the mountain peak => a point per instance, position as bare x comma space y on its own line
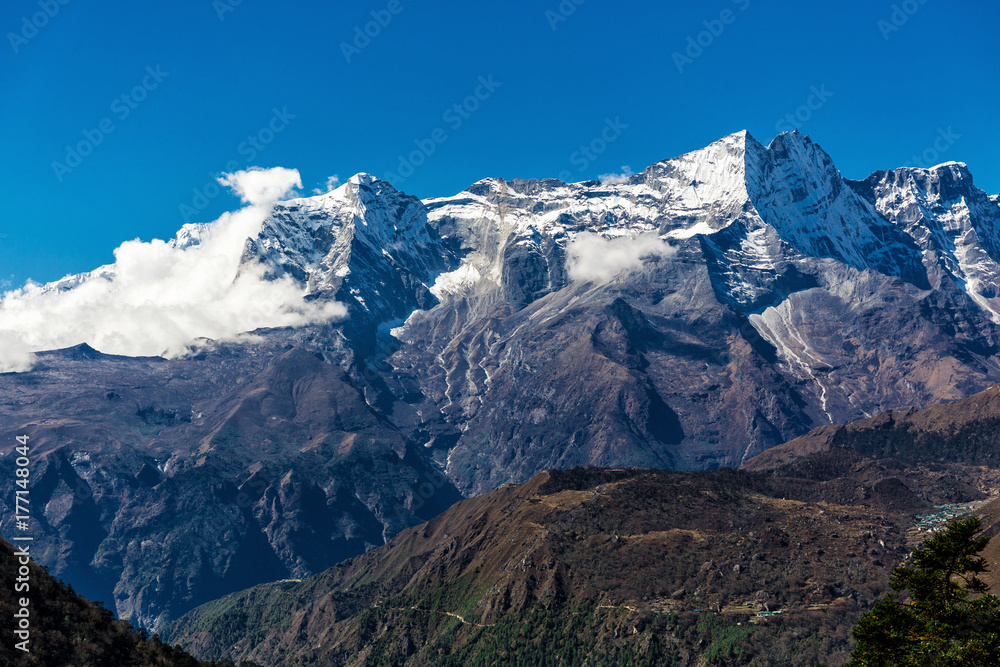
799, 146
80, 352
707, 187
948, 180
951, 163
737, 137
738, 141
362, 178
951, 171
791, 138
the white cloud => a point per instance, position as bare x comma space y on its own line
616, 179
158, 297
593, 258
332, 183
15, 357
259, 187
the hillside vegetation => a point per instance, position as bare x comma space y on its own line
70, 631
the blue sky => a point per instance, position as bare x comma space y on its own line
210, 86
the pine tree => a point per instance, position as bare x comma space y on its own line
947, 618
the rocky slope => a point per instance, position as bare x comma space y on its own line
608, 566
652, 566
963, 432
161, 484
706, 309
633, 554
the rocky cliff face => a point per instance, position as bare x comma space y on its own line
160, 484
690, 316
791, 298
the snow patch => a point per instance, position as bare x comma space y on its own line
459, 281
694, 230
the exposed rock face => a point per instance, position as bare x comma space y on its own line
794, 298
706, 309
174, 482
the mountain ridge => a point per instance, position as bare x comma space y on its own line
692, 316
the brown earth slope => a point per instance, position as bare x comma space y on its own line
634, 565
966, 431
640, 566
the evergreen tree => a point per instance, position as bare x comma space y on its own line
947, 618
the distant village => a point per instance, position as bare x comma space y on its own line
937, 520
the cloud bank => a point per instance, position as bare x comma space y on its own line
593, 258
15, 357
160, 296
260, 187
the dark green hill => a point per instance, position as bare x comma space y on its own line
70, 631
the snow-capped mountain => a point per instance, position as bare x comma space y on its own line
778, 205
789, 300
688, 316
838, 298
357, 227
956, 225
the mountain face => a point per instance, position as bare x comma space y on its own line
791, 299
965, 432
162, 484
956, 227
652, 567
692, 316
